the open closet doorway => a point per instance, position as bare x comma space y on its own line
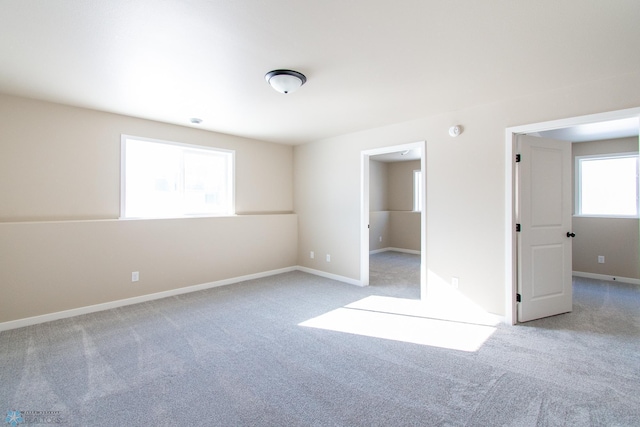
519, 288
393, 196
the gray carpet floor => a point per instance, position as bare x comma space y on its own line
244, 355
397, 272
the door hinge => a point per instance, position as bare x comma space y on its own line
518, 228
518, 298
518, 158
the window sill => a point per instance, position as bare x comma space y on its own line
143, 218
608, 216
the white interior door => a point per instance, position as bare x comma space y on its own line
544, 214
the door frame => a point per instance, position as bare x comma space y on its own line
364, 210
511, 261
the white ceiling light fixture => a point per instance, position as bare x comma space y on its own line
285, 81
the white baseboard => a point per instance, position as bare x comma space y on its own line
377, 251
607, 277
406, 251
330, 276
49, 317
14, 324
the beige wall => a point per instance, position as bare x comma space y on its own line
49, 267
401, 185
405, 230
378, 205
465, 185
61, 244
614, 238
61, 163
617, 239
403, 222
378, 186
379, 222
391, 205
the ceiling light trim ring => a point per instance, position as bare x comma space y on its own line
296, 79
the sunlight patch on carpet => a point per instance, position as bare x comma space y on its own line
403, 320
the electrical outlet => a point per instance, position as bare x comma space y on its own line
600, 259
135, 276
454, 282
328, 258
380, 239
312, 255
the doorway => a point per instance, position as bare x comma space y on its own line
420, 149
511, 261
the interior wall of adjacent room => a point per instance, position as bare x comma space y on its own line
617, 239
378, 205
391, 206
404, 223
401, 185
61, 243
465, 179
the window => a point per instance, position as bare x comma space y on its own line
607, 185
418, 203
165, 180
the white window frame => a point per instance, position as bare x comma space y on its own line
578, 183
418, 182
187, 147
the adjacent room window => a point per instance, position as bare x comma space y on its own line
163, 179
418, 203
607, 185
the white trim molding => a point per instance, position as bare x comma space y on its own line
49, 317
607, 278
406, 251
331, 276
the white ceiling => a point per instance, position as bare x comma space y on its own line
369, 63
400, 156
595, 131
